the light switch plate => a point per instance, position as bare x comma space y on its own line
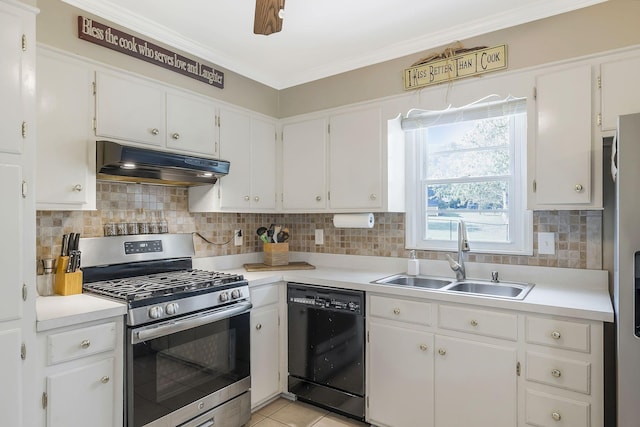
319, 236
546, 243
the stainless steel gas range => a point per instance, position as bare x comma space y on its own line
187, 346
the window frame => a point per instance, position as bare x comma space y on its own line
520, 219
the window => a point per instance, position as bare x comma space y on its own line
468, 164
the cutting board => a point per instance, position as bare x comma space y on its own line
296, 265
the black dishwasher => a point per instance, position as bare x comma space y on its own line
326, 347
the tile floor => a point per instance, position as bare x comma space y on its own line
285, 413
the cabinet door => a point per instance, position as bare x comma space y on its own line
304, 165
82, 396
263, 165
191, 124
11, 374
475, 384
355, 161
130, 109
11, 226
265, 352
563, 145
65, 156
620, 90
235, 147
11, 85
400, 377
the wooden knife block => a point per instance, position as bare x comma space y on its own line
67, 283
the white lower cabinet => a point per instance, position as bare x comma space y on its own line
83, 374
265, 344
449, 365
475, 383
400, 376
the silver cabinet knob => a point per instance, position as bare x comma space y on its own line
104, 379
372, 197
155, 131
556, 335
556, 373
318, 198
259, 326
556, 416
85, 344
396, 311
473, 323
176, 135
77, 187
578, 188
256, 198
247, 198
424, 347
442, 351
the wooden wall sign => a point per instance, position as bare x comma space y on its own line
456, 67
117, 40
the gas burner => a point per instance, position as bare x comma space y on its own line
161, 284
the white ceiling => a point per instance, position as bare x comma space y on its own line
319, 38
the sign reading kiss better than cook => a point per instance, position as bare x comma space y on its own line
117, 40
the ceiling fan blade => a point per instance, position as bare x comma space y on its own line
266, 20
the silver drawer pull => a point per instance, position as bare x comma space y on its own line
77, 187
556, 416
578, 188
474, 323
104, 379
556, 373
442, 351
396, 311
556, 335
424, 347
175, 136
85, 344
259, 326
155, 131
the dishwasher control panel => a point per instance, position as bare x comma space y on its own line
328, 298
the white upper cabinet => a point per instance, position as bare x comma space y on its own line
304, 167
249, 143
130, 109
355, 160
620, 90
11, 84
191, 124
65, 156
563, 154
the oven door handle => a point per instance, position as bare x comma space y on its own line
189, 322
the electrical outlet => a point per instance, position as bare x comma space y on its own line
319, 236
546, 243
237, 237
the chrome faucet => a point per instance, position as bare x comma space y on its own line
463, 248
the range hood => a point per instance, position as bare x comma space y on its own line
134, 164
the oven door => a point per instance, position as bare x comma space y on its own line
181, 368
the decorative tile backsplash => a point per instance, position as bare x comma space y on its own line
578, 233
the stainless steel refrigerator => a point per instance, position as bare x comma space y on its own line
626, 289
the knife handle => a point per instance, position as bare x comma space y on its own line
65, 245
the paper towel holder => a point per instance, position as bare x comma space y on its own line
354, 220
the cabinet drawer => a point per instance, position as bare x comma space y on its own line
565, 373
403, 310
480, 322
558, 333
81, 342
546, 410
265, 295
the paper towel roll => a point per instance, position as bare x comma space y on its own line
364, 220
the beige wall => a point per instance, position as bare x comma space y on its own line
57, 27
606, 26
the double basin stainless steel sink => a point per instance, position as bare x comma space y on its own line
486, 288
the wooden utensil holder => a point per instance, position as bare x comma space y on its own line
276, 253
67, 283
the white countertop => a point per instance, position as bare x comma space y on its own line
581, 294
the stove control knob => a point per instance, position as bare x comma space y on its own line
236, 293
171, 308
224, 297
156, 312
